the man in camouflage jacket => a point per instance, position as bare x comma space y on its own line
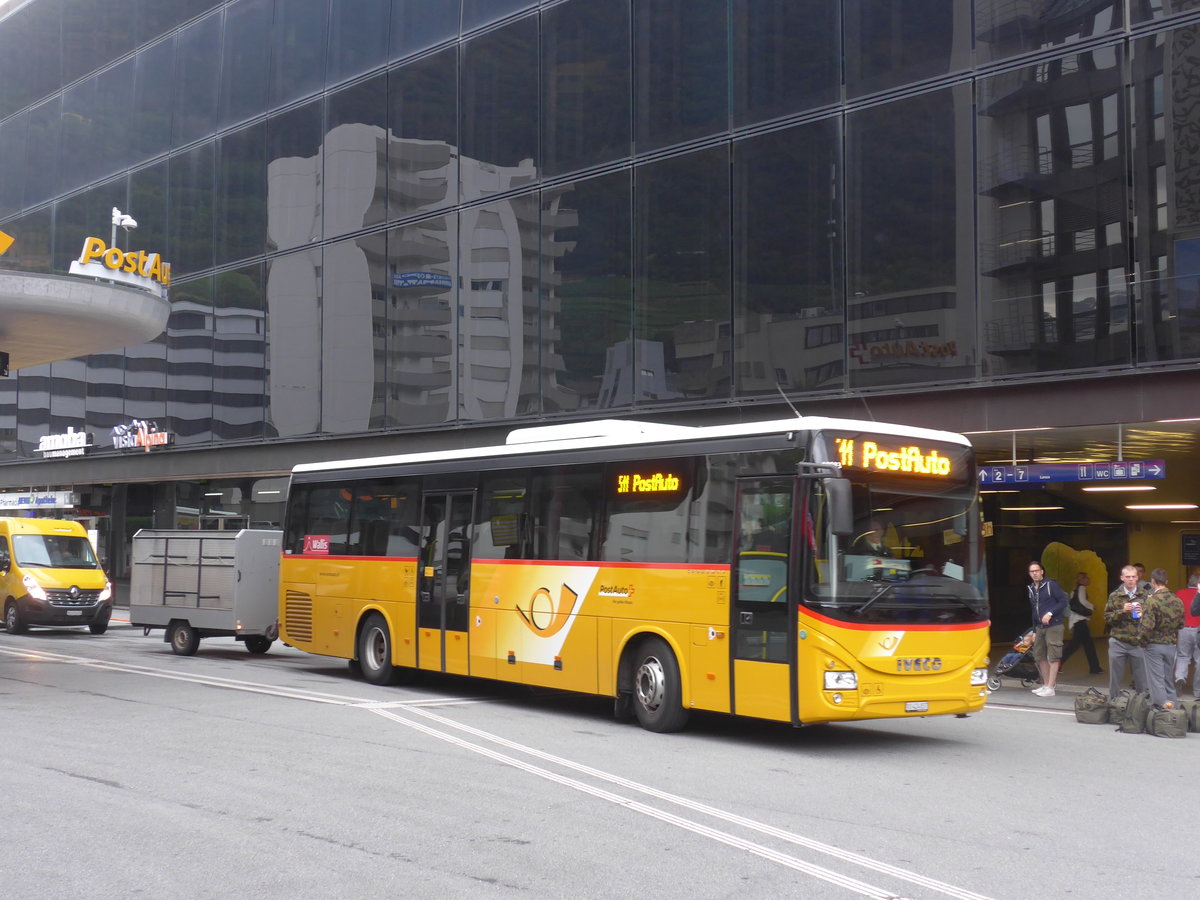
1162, 618
1126, 637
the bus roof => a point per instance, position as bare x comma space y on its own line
602, 433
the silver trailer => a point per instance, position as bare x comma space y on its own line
199, 584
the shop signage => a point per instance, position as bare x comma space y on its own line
133, 267
38, 500
139, 433
1044, 473
71, 443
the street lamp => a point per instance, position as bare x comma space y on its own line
119, 218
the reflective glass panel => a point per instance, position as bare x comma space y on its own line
240, 391
789, 316
417, 24
293, 176
352, 299
154, 17
81, 154
894, 42
356, 157
358, 38
499, 109
197, 84
298, 51
1166, 194
42, 152
30, 55
246, 63
294, 343
585, 84
94, 32
682, 342
190, 240
587, 300
499, 337
12, 147
415, 358
153, 100
423, 134
910, 241
1008, 27
33, 238
241, 201
680, 65
190, 362
786, 58
148, 204
481, 12
89, 213
1052, 216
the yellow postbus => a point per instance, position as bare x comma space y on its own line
802, 570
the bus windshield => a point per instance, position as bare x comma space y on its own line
914, 555
50, 551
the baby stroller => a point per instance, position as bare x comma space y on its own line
1017, 663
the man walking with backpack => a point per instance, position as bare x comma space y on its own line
1047, 602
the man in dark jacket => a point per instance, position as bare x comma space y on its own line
1048, 603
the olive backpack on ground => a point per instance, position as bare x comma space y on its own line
1192, 709
1129, 710
1170, 723
1091, 708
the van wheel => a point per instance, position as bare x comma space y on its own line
656, 688
184, 639
12, 619
98, 627
257, 643
375, 651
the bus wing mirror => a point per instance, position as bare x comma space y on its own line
841, 507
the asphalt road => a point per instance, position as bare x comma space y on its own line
129, 771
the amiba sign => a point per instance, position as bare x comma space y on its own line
133, 267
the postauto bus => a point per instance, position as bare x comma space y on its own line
801, 570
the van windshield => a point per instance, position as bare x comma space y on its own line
52, 551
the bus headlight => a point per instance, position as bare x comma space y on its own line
841, 681
979, 676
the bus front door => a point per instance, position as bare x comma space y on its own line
763, 617
443, 579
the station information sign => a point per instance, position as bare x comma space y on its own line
1096, 473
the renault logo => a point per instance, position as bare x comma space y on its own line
74, 592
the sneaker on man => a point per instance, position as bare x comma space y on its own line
1047, 692
1039, 691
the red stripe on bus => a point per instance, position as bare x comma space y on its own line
895, 626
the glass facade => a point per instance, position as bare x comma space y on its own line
413, 214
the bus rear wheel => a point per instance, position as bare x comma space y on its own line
375, 651
657, 690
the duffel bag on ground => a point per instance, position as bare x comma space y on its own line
1091, 708
1170, 723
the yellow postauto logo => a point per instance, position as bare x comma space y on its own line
135, 262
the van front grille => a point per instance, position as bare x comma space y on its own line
297, 615
64, 598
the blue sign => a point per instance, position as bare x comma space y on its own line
1045, 473
421, 279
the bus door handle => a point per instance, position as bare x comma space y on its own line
746, 618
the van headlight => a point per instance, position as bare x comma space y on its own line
33, 589
979, 676
107, 593
841, 681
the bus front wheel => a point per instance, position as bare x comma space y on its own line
656, 688
375, 651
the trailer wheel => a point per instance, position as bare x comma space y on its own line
375, 651
656, 688
257, 643
184, 639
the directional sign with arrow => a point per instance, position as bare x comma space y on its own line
1045, 473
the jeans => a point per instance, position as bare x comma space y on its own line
1187, 649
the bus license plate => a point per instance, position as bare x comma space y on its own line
74, 612
916, 706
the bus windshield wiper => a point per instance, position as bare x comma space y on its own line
877, 595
